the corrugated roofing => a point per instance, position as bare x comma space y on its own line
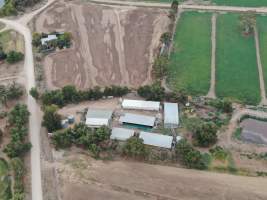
121, 133
99, 113
98, 117
171, 115
137, 119
157, 140
48, 38
140, 105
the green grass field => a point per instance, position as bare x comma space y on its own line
5, 192
262, 29
247, 3
190, 62
236, 65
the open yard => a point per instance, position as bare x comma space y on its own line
236, 66
111, 44
262, 29
5, 191
81, 176
248, 3
190, 61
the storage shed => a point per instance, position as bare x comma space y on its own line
156, 140
121, 134
171, 115
140, 105
98, 117
143, 120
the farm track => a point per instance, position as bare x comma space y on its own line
212, 92
261, 78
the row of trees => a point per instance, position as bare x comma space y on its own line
69, 94
10, 92
95, 140
11, 57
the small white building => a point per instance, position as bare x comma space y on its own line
48, 39
171, 115
140, 105
142, 120
157, 140
98, 117
122, 134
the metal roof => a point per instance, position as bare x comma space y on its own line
155, 139
171, 115
137, 119
140, 105
121, 133
98, 117
48, 38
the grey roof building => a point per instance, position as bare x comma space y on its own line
98, 117
156, 140
121, 134
143, 120
171, 115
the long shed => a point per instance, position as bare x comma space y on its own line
121, 133
98, 117
143, 120
141, 105
171, 115
157, 140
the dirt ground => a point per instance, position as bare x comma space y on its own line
111, 44
81, 177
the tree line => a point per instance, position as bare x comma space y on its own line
12, 7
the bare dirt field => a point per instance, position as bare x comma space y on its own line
111, 44
81, 177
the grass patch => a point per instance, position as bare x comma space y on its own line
11, 40
237, 134
262, 29
5, 190
247, 3
236, 64
190, 61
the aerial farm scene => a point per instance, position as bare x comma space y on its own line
133, 99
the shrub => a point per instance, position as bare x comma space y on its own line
206, 134
34, 93
135, 148
152, 92
13, 57
51, 120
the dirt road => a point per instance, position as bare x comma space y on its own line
212, 93
35, 120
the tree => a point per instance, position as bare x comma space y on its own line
2, 54
247, 23
19, 115
152, 92
175, 4
3, 95
14, 91
206, 134
34, 93
189, 156
135, 148
160, 67
51, 120
70, 94
165, 37
36, 39
13, 57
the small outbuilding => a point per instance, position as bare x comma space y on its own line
135, 119
47, 39
140, 105
122, 134
157, 140
171, 115
98, 117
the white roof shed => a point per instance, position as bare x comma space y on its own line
171, 115
143, 120
140, 105
48, 38
121, 134
155, 139
98, 117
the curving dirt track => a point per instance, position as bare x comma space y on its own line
112, 44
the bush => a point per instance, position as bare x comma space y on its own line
135, 148
13, 57
152, 92
189, 156
222, 105
218, 153
51, 120
34, 93
206, 134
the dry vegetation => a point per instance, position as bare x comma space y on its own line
111, 45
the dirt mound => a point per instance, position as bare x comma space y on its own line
112, 45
